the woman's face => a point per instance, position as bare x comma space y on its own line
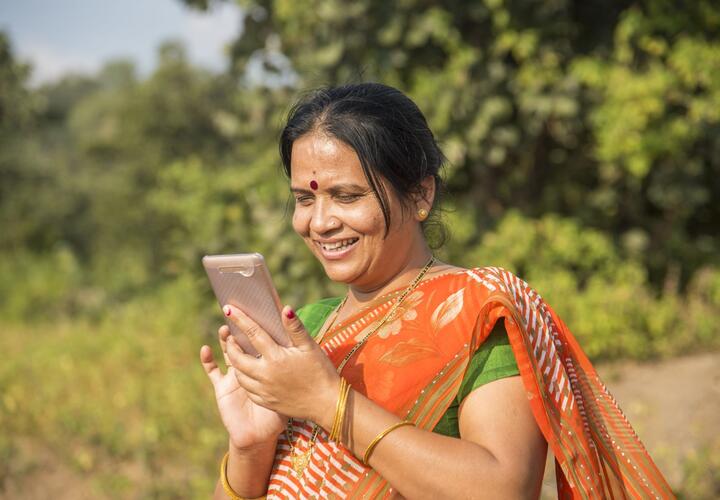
339, 217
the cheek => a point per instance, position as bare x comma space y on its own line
375, 224
366, 219
301, 221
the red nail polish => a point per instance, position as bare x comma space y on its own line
290, 314
228, 312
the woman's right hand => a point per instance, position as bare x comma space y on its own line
248, 424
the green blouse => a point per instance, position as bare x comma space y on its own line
493, 360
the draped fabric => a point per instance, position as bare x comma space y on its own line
414, 364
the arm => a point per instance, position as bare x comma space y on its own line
252, 429
247, 471
501, 450
501, 453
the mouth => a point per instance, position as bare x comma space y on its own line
334, 250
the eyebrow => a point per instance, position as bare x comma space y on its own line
337, 188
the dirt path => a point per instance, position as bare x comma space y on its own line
674, 405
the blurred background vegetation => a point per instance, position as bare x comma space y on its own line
583, 140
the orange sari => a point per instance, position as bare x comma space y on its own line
414, 364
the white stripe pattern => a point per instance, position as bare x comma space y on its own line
544, 340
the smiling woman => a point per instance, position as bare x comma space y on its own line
426, 380
342, 222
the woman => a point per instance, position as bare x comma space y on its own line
389, 391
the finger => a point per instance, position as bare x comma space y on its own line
258, 400
259, 338
223, 334
295, 329
248, 383
241, 361
209, 365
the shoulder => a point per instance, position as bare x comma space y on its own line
313, 315
321, 306
484, 294
487, 275
326, 302
497, 281
480, 282
492, 276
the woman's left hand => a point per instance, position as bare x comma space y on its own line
298, 381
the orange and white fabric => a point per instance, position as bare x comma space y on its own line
413, 367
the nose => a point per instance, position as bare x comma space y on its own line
323, 218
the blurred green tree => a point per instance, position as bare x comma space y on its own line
600, 111
18, 112
593, 115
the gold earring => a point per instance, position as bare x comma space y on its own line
422, 214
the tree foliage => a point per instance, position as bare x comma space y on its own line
605, 112
601, 116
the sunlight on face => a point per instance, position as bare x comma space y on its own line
341, 221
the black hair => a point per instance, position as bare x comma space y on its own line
386, 130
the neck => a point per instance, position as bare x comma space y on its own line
406, 273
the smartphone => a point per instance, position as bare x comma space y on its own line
244, 281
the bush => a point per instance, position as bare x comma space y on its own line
702, 474
128, 389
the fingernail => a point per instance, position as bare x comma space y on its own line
227, 310
290, 314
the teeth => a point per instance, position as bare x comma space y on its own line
338, 245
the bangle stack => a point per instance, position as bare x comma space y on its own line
337, 427
226, 484
378, 438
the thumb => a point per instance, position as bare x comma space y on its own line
298, 334
209, 365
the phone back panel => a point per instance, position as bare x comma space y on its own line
243, 281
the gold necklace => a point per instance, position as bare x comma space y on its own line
300, 461
389, 314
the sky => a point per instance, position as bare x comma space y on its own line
60, 36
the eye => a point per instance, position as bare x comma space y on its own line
347, 197
303, 200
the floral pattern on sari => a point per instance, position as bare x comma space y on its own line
405, 312
447, 311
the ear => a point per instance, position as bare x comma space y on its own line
426, 196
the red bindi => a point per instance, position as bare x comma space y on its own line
313, 185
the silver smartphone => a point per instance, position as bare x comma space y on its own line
244, 281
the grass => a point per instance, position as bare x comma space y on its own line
123, 400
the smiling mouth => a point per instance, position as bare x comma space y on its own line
338, 246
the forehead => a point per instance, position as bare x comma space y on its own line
319, 156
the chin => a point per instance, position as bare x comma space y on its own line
339, 276
340, 273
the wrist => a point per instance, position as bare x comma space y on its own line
227, 479
245, 471
252, 451
327, 405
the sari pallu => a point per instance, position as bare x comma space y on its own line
414, 364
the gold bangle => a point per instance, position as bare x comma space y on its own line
379, 437
338, 405
337, 408
226, 484
336, 431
